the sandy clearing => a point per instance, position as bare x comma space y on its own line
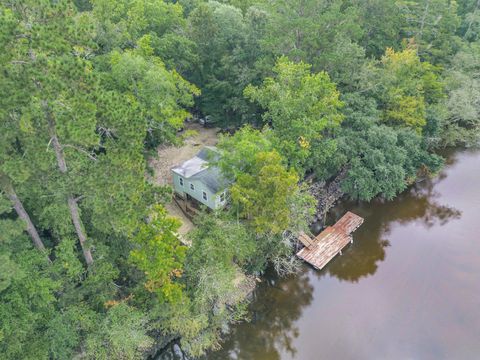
168, 156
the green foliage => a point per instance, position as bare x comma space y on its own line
27, 293
228, 51
215, 280
262, 195
265, 191
158, 253
98, 83
121, 334
161, 94
433, 25
405, 87
381, 161
301, 107
239, 151
470, 17
322, 33
382, 24
53, 89
462, 125
121, 23
218, 243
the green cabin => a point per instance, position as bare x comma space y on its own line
197, 182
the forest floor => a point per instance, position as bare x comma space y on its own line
168, 156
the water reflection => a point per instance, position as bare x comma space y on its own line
276, 307
319, 305
419, 204
279, 303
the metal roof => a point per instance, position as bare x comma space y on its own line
198, 168
191, 167
212, 179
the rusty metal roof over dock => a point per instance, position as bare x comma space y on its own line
330, 242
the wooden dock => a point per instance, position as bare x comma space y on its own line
319, 251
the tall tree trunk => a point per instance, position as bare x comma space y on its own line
7, 187
73, 206
72, 202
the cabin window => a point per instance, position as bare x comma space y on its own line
222, 197
192, 187
181, 181
204, 195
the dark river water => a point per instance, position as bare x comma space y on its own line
408, 287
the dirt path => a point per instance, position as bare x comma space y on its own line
169, 156
175, 211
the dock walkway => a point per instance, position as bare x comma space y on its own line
319, 251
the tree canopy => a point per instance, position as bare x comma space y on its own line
91, 262
301, 108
